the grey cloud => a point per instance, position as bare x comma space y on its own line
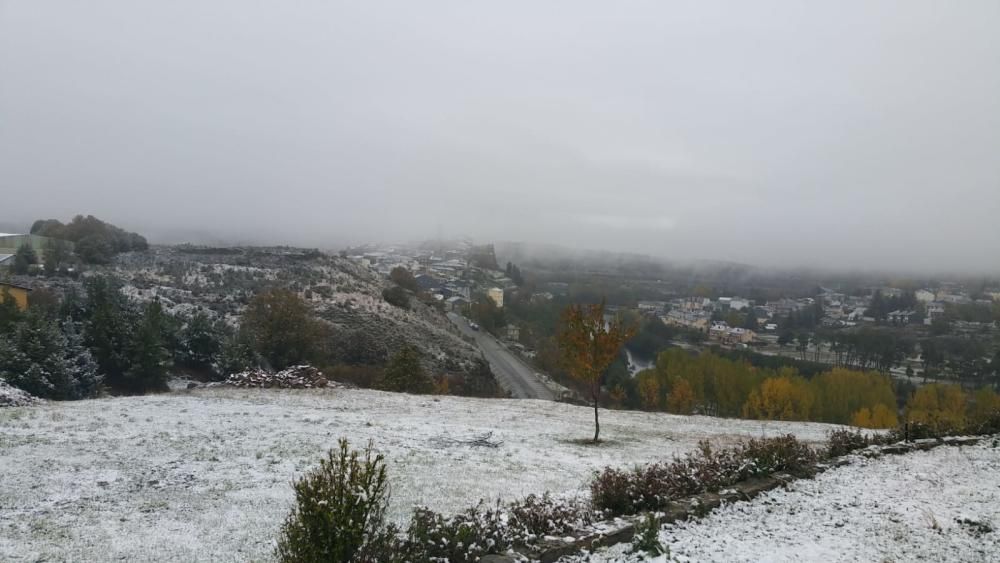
861, 134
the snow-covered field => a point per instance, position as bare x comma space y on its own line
205, 475
896, 508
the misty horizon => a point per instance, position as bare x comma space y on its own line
854, 136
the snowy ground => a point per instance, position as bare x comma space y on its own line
896, 508
204, 476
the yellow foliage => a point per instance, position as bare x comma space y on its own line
720, 385
441, 386
985, 403
937, 404
862, 418
649, 391
841, 393
780, 398
880, 416
681, 398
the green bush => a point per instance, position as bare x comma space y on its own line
647, 537
339, 512
405, 374
397, 296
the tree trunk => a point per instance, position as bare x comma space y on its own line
597, 423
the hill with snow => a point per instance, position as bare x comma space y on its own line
205, 475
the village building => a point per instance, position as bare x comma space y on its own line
496, 295
18, 293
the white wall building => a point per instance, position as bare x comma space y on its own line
496, 295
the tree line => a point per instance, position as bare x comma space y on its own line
99, 339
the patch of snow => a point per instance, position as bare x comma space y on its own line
925, 506
206, 475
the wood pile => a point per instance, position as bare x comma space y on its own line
295, 377
11, 396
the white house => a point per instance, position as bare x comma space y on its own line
496, 295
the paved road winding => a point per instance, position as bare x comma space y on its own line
513, 374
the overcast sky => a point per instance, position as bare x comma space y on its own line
862, 134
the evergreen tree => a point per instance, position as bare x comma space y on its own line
148, 358
200, 343
403, 278
236, 355
24, 258
80, 363
39, 358
57, 253
405, 374
109, 325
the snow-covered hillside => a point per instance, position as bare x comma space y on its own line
923, 506
206, 475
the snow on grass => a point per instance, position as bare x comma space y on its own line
923, 506
206, 475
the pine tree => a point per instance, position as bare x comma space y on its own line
80, 363
148, 358
24, 258
236, 355
200, 343
405, 374
109, 326
39, 358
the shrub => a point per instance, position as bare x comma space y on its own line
403, 278
615, 491
782, 453
985, 424
647, 537
405, 374
397, 296
542, 515
843, 442
650, 487
339, 512
463, 538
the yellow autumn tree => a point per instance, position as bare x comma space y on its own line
879, 416
681, 397
780, 398
841, 393
649, 391
985, 403
589, 343
938, 404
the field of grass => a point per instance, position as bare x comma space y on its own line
205, 475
